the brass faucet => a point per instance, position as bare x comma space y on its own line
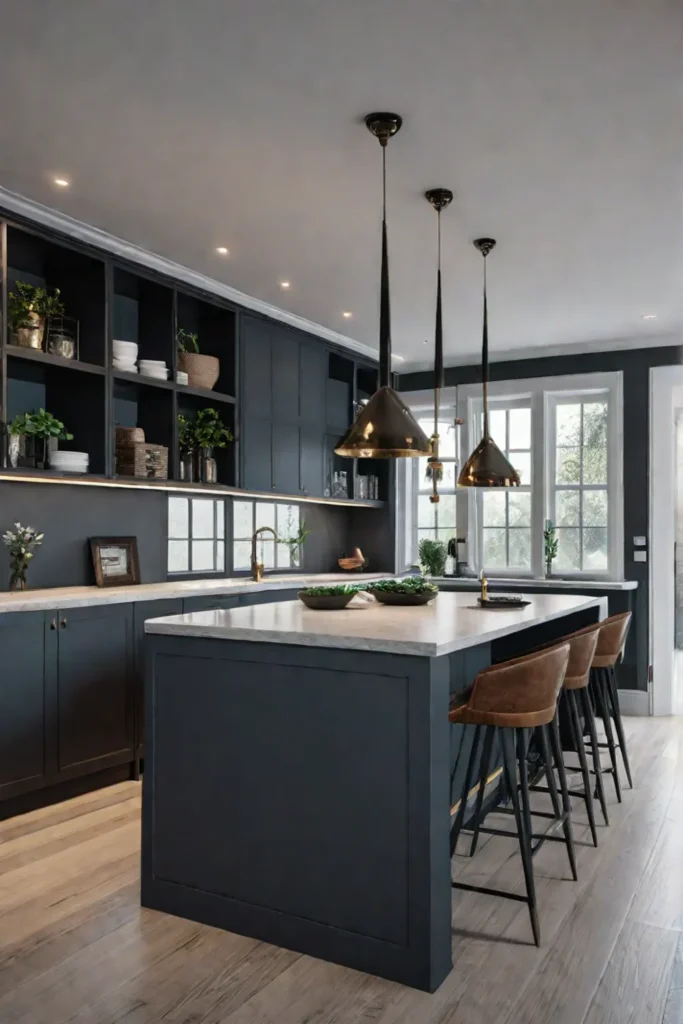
256, 566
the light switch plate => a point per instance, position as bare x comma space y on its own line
640, 542
640, 556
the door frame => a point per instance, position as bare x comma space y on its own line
666, 395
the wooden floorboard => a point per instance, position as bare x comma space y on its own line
76, 947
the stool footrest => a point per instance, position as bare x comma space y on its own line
489, 892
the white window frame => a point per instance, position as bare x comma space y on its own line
294, 558
217, 538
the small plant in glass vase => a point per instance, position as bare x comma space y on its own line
27, 309
21, 543
294, 540
550, 546
186, 446
208, 432
32, 435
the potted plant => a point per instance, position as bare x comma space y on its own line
550, 545
202, 371
432, 557
20, 542
35, 432
27, 308
409, 590
186, 445
208, 432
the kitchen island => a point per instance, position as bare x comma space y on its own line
299, 769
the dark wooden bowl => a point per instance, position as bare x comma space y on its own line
325, 602
387, 597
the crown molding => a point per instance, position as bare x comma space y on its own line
14, 203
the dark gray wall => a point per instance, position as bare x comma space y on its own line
69, 515
635, 365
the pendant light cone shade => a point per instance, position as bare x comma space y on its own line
439, 198
384, 428
487, 466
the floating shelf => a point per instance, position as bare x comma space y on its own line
140, 378
216, 396
34, 355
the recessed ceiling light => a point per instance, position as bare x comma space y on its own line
284, 285
649, 316
347, 314
425, 342
61, 182
222, 251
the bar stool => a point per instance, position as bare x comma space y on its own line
576, 701
603, 688
506, 701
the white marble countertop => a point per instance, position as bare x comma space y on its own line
82, 597
523, 583
452, 622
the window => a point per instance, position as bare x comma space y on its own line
248, 516
505, 515
436, 521
196, 535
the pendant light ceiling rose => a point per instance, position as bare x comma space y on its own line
439, 198
484, 245
383, 125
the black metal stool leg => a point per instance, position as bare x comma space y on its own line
604, 712
522, 744
510, 768
460, 815
485, 764
589, 716
613, 696
581, 750
561, 812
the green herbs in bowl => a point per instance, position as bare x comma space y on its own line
410, 590
327, 598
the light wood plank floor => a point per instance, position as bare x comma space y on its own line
75, 946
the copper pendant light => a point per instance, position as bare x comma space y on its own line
439, 198
385, 427
487, 466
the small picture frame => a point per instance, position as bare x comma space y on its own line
115, 560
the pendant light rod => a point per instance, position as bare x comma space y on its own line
439, 199
485, 245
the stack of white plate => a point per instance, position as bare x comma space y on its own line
69, 462
154, 368
125, 354
181, 377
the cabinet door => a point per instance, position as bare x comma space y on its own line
313, 362
143, 610
285, 382
286, 458
256, 368
24, 704
312, 461
257, 457
94, 688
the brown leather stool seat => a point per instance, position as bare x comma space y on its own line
506, 701
605, 693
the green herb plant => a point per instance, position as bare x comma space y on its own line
186, 441
407, 585
432, 557
209, 431
550, 542
339, 588
25, 303
187, 342
21, 543
39, 424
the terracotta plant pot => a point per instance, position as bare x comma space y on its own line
202, 371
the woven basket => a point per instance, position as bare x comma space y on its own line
127, 436
202, 371
146, 461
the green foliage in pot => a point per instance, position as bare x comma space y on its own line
187, 342
26, 302
186, 440
340, 588
550, 542
39, 424
407, 585
432, 557
209, 431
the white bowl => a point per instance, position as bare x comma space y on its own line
125, 348
154, 373
125, 367
153, 362
181, 378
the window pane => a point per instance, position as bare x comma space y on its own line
202, 555
426, 516
497, 427
241, 554
595, 508
283, 556
520, 549
519, 508
445, 511
568, 466
595, 425
595, 549
243, 519
178, 556
220, 519
494, 508
287, 520
568, 550
595, 465
178, 518
494, 548
265, 552
265, 514
429, 534
202, 519
568, 425
446, 440
220, 556
520, 428
567, 508
521, 461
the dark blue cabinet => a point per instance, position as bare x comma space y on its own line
143, 610
257, 454
312, 460
286, 447
286, 379
313, 372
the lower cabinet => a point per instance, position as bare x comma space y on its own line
143, 610
27, 734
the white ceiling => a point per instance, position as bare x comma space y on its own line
184, 126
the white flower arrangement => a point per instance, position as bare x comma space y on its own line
21, 542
